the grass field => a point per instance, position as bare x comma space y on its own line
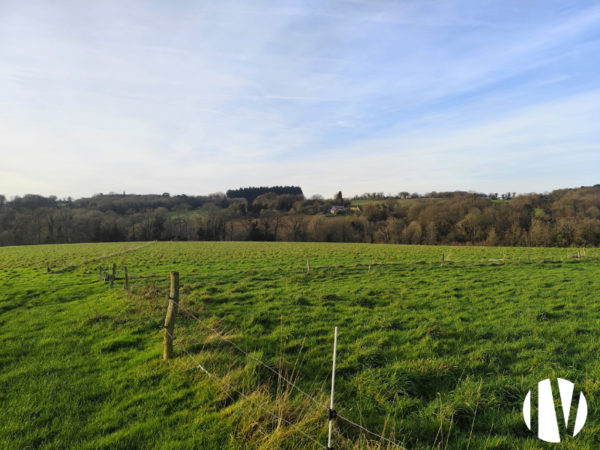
429, 355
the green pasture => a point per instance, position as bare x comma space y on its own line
430, 355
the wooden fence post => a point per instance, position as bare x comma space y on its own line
307, 267
100, 270
126, 279
170, 318
113, 276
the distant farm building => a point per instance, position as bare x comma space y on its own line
335, 210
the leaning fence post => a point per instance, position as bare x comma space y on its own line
332, 413
170, 318
126, 279
307, 267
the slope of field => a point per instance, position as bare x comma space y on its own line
430, 355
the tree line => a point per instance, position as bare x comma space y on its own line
251, 193
563, 218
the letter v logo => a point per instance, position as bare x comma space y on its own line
548, 429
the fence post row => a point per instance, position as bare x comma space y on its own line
169, 326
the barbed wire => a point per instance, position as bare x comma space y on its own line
289, 382
232, 399
246, 397
266, 366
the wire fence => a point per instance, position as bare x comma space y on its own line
100, 258
241, 394
341, 416
219, 381
288, 382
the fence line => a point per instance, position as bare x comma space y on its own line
266, 366
246, 397
451, 263
291, 383
278, 373
99, 258
488, 262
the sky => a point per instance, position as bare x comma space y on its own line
198, 97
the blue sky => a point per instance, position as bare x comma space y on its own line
198, 97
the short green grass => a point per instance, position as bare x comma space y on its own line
430, 355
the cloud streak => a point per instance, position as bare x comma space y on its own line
358, 96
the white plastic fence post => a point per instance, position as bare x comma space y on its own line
332, 412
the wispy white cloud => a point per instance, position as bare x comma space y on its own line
357, 96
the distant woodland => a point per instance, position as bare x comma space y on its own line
563, 218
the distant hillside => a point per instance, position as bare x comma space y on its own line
562, 218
